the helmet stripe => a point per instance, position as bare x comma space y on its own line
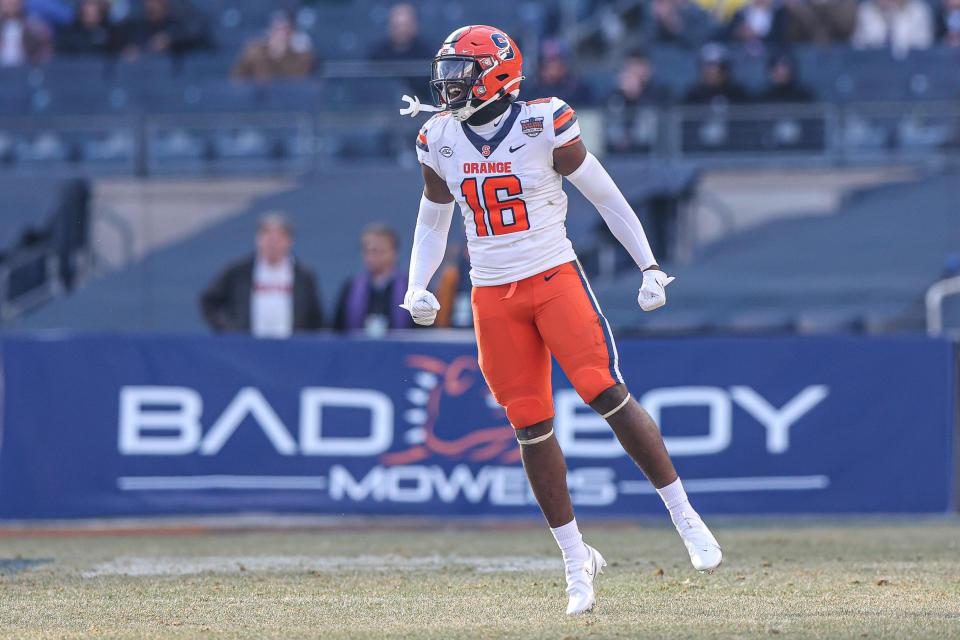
456, 35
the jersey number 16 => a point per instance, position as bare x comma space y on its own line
499, 213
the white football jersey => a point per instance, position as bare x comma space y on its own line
512, 200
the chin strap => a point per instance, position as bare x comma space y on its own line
464, 114
414, 106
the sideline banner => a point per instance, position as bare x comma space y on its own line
120, 425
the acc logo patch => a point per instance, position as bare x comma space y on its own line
446, 152
532, 126
485, 150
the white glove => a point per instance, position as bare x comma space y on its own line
652, 294
422, 305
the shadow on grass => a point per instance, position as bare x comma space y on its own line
10, 566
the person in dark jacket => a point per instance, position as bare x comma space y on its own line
269, 294
784, 86
555, 76
715, 86
403, 42
822, 22
370, 301
164, 28
631, 109
681, 23
90, 32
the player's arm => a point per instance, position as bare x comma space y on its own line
429, 246
586, 173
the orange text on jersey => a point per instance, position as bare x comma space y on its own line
487, 167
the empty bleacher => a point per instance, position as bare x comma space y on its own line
864, 268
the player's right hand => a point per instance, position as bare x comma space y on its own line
422, 305
652, 293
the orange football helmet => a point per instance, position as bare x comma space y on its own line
475, 66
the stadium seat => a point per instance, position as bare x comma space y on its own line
362, 93
294, 95
14, 99
210, 96
142, 72
214, 66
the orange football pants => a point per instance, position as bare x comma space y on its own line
519, 325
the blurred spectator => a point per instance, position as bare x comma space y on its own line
164, 28
900, 25
269, 294
453, 291
948, 23
679, 22
631, 119
758, 22
403, 40
53, 12
24, 39
282, 52
554, 77
90, 32
823, 22
722, 9
371, 300
784, 86
715, 87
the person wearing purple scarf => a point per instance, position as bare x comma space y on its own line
370, 301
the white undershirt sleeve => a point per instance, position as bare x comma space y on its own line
429, 241
598, 187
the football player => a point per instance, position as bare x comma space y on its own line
503, 161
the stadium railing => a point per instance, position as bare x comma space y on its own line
28, 278
934, 301
284, 140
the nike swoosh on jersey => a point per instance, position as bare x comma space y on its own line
512, 149
551, 275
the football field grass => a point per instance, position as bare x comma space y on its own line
792, 579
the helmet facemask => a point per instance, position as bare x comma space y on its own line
454, 80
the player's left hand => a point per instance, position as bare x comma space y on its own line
422, 305
652, 292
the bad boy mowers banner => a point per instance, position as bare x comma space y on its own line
103, 425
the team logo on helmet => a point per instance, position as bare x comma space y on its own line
476, 65
505, 51
532, 126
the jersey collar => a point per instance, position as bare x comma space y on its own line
480, 142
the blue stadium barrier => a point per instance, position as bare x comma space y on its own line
97, 425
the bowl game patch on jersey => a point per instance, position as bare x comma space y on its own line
532, 127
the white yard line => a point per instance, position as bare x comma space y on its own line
175, 566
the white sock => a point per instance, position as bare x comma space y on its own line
675, 499
570, 541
